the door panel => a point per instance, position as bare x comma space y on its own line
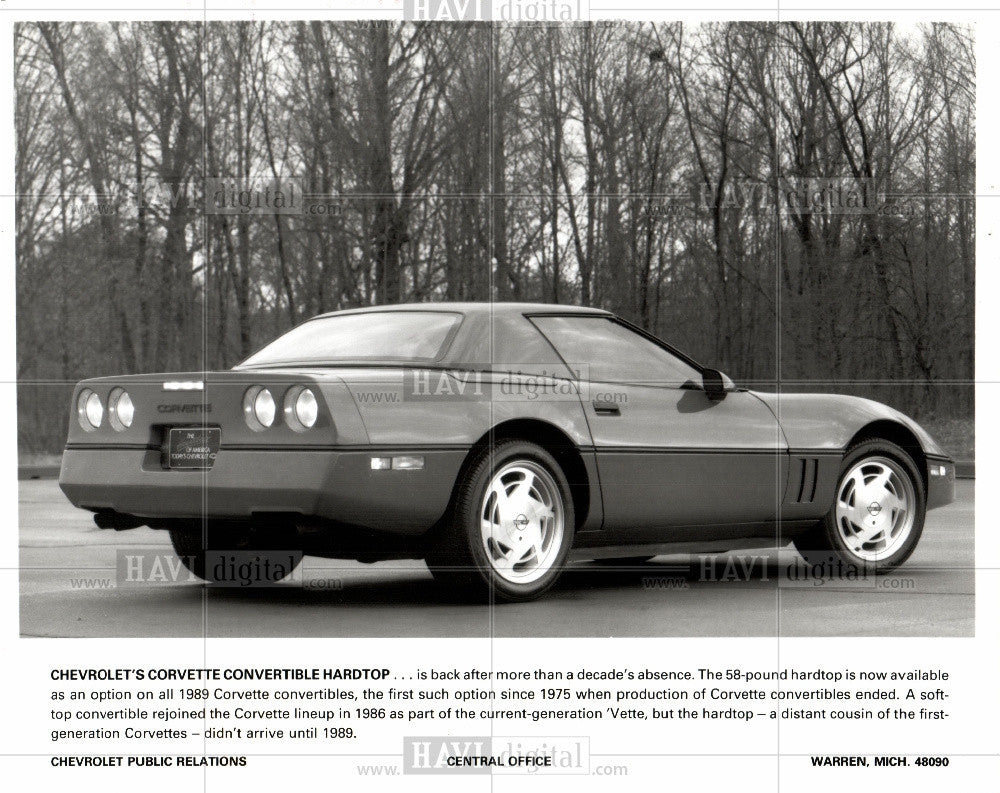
672, 457
671, 461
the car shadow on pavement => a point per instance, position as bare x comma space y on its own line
414, 586
768, 568
419, 590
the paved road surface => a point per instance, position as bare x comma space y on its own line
68, 588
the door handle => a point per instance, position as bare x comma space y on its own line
605, 408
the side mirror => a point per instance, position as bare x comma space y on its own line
716, 384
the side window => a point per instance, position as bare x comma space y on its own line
509, 344
518, 343
614, 353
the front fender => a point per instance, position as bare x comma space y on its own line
828, 422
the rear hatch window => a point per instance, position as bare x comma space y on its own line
389, 336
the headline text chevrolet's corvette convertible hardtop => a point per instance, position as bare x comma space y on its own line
493, 440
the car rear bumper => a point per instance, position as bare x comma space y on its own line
940, 481
331, 485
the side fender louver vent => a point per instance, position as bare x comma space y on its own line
807, 480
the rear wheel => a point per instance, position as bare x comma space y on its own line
511, 524
878, 512
235, 554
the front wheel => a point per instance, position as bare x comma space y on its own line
878, 512
511, 525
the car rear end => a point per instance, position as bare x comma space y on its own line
186, 445
158, 449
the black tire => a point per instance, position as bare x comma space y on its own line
825, 544
201, 551
458, 556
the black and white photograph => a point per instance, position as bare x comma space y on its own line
473, 329
499, 396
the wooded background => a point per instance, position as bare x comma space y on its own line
605, 164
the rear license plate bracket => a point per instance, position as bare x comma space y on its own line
193, 447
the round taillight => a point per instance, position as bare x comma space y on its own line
263, 407
121, 411
259, 409
307, 408
89, 410
301, 408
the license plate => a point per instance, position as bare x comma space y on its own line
194, 447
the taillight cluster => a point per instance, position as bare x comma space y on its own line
90, 409
300, 408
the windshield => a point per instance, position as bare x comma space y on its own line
406, 336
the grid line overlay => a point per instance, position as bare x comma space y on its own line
492, 196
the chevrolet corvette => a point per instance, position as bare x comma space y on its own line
497, 442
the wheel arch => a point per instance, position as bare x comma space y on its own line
555, 442
899, 434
